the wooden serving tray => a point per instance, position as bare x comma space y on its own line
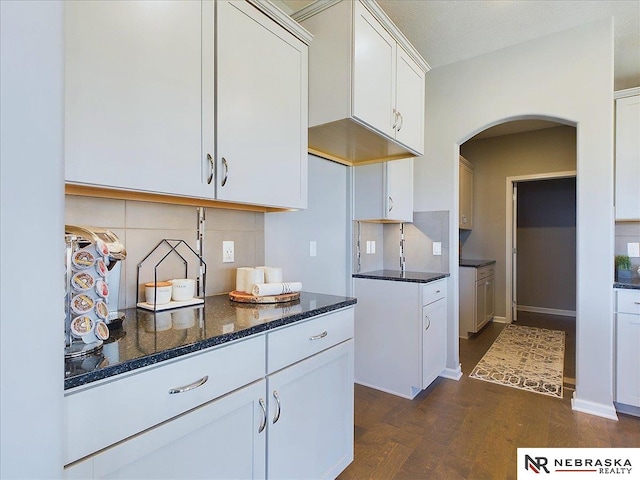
244, 297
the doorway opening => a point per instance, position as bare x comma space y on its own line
517, 152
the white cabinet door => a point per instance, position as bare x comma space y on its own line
134, 109
434, 340
628, 158
410, 92
374, 77
490, 298
219, 440
310, 432
384, 191
628, 359
466, 196
261, 109
400, 190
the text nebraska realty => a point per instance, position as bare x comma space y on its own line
619, 466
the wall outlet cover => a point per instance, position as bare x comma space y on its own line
228, 251
633, 249
437, 248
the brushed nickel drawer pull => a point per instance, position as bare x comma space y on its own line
319, 336
426, 317
263, 424
226, 172
276, 417
212, 169
191, 386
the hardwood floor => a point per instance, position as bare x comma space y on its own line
470, 429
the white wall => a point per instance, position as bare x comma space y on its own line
567, 77
326, 221
31, 240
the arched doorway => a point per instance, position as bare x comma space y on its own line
516, 149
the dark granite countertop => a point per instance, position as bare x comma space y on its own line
145, 339
633, 284
399, 276
468, 262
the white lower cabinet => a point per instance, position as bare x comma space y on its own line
310, 432
477, 298
219, 440
400, 334
628, 351
271, 406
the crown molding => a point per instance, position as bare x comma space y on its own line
274, 12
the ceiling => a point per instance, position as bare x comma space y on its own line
448, 31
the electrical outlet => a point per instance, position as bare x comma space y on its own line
368, 246
633, 249
228, 253
437, 248
373, 246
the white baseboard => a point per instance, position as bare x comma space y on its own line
500, 319
592, 408
548, 311
452, 373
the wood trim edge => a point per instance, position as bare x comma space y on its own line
115, 194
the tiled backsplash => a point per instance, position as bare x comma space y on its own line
142, 225
628, 232
427, 227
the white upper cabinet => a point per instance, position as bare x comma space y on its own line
135, 73
384, 191
628, 157
366, 84
261, 143
465, 222
195, 99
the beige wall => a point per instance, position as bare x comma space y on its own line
494, 159
140, 226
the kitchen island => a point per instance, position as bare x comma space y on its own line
221, 390
400, 330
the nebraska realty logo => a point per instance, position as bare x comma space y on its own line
581, 463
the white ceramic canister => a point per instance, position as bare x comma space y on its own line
182, 289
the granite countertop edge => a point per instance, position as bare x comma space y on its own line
472, 263
399, 276
633, 284
171, 353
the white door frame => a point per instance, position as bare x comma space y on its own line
509, 270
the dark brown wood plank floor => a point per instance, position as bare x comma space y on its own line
470, 429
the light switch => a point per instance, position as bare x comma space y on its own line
437, 248
373, 246
368, 249
633, 249
313, 250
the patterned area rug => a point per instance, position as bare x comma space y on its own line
528, 358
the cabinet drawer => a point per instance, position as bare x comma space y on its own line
485, 272
628, 301
433, 291
294, 343
142, 400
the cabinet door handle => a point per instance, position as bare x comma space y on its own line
276, 417
191, 386
212, 167
226, 172
401, 122
437, 291
637, 303
263, 424
319, 336
390, 203
426, 317
395, 119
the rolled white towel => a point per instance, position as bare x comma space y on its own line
267, 289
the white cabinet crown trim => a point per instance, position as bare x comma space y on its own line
378, 13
